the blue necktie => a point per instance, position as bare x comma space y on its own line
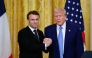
60, 42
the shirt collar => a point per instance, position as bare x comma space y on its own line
63, 26
32, 29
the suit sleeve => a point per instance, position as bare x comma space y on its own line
47, 36
79, 45
24, 43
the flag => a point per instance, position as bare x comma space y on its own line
5, 45
74, 15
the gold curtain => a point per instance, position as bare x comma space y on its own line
18, 9
86, 15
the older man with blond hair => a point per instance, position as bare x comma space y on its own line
66, 37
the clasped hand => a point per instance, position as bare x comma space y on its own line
47, 41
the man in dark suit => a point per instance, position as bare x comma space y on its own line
30, 39
71, 45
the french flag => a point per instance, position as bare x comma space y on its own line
5, 45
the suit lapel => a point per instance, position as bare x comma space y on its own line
68, 30
54, 32
55, 38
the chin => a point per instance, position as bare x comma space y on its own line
35, 26
59, 24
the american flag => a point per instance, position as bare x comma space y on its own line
74, 15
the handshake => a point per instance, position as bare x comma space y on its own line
47, 41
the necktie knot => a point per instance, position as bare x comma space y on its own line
60, 27
35, 31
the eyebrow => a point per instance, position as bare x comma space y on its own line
34, 19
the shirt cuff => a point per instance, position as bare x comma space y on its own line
45, 47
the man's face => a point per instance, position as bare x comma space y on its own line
59, 17
33, 20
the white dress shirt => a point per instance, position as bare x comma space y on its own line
63, 31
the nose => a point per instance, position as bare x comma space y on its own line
35, 21
58, 17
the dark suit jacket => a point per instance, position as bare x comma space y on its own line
30, 46
73, 46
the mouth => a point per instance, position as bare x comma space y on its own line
58, 21
35, 25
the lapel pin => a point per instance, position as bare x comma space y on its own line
69, 30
